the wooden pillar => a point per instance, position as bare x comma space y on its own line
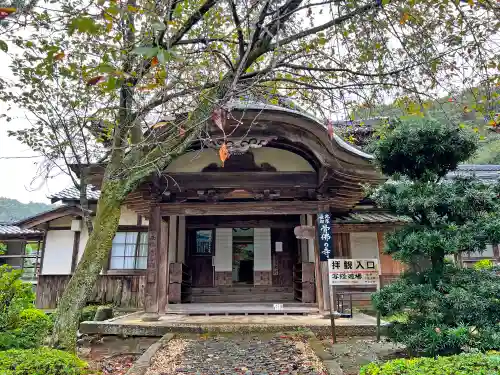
310, 242
163, 268
496, 252
154, 234
181, 240
172, 240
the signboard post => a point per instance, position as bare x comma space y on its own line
323, 250
350, 272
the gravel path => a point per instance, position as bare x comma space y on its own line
236, 355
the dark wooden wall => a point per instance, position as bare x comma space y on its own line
283, 262
121, 291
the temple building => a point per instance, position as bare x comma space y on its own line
206, 233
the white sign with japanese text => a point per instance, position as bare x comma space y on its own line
353, 271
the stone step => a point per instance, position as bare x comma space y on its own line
271, 297
240, 290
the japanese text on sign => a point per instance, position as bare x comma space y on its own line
325, 238
353, 271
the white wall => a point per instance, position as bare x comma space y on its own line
223, 249
128, 217
282, 160
262, 249
58, 252
364, 245
488, 253
84, 237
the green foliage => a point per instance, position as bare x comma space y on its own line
21, 325
88, 313
12, 210
464, 364
463, 311
424, 148
41, 361
449, 309
33, 328
485, 264
15, 296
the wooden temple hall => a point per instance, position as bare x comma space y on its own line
224, 233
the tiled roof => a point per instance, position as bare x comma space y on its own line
485, 172
15, 230
369, 218
72, 193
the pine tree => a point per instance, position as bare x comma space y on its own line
448, 308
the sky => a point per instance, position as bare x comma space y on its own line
18, 164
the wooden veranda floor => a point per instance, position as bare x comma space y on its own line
249, 308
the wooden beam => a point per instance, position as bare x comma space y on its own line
243, 180
372, 227
288, 221
76, 245
240, 208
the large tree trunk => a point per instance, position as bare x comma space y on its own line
113, 193
88, 270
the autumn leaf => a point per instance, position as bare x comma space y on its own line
154, 61
159, 124
95, 80
223, 153
404, 18
217, 118
4, 12
59, 56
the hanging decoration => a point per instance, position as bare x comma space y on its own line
223, 153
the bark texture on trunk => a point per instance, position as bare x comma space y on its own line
86, 274
136, 166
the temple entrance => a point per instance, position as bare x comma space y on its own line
238, 259
243, 256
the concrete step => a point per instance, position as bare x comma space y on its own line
271, 297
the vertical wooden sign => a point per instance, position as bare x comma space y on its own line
325, 236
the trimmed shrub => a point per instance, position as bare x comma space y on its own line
41, 361
32, 328
462, 313
15, 296
463, 364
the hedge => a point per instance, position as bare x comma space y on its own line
41, 361
463, 364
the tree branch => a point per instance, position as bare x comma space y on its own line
237, 23
193, 20
327, 25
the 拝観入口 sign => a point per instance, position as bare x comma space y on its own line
353, 271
